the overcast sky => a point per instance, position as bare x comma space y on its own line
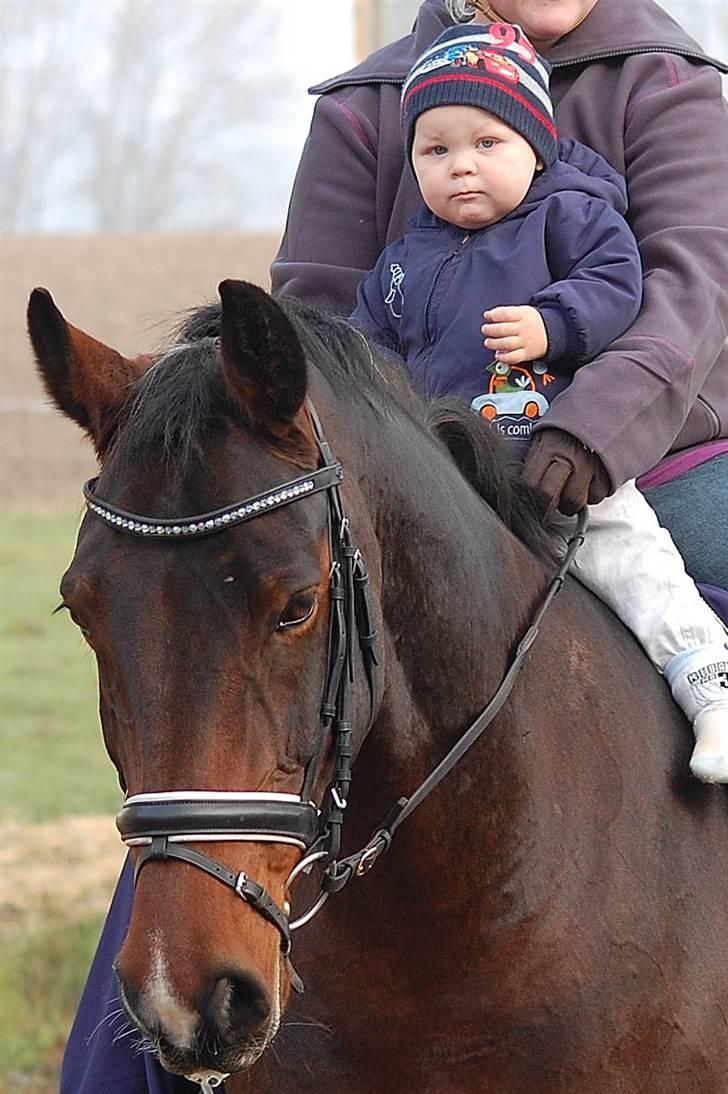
318, 42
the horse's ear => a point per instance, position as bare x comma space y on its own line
87, 380
264, 362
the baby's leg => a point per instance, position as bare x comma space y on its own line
631, 563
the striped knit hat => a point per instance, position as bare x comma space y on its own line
492, 66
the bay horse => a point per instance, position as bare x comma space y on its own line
552, 918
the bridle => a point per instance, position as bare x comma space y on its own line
163, 824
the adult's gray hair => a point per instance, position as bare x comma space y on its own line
460, 10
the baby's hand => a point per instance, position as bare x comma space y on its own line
515, 334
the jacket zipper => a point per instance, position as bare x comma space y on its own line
633, 52
438, 278
637, 50
712, 416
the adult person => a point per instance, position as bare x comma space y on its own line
630, 83
511, 216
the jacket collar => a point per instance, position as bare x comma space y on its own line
642, 27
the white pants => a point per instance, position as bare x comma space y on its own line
632, 564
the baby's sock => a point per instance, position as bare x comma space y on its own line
699, 682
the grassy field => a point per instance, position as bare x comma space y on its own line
53, 757
41, 977
53, 764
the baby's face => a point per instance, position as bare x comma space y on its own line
472, 168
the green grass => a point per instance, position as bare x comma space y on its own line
41, 977
53, 758
53, 763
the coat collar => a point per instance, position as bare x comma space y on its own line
642, 27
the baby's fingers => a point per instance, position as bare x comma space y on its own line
503, 315
500, 330
511, 357
501, 345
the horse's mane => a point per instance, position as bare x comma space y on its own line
181, 401
485, 458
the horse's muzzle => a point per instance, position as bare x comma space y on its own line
232, 1024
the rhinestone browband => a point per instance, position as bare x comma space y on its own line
206, 524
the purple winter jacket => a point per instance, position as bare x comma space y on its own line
631, 84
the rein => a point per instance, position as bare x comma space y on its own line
162, 824
340, 873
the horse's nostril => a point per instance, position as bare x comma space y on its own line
237, 1005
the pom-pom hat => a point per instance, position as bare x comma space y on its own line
492, 66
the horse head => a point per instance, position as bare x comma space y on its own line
214, 653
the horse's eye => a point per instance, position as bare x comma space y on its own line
84, 631
298, 609
74, 619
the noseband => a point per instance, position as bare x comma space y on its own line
163, 824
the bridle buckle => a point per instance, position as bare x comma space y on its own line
368, 859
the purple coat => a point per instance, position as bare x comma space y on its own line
629, 83
566, 250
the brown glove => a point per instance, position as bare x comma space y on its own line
564, 472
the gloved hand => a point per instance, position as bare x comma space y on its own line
564, 472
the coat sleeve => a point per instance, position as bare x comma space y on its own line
330, 239
645, 383
597, 287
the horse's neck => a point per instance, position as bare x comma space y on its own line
457, 889
458, 593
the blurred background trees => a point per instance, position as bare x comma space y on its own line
139, 115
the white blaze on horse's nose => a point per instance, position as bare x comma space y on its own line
176, 1021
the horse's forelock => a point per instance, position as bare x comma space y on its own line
177, 404
182, 400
